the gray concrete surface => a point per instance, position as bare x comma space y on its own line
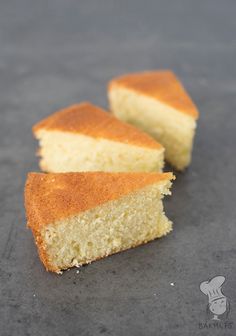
54, 53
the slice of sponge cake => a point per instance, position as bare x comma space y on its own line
157, 103
80, 217
83, 137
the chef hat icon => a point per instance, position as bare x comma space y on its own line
212, 288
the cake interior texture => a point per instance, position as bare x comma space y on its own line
114, 226
172, 128
64, 152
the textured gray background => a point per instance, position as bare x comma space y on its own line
54, 53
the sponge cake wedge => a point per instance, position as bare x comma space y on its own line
80, 217
83, 137
157, 103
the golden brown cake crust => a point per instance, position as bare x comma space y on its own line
87, 119
55, 196
162, 85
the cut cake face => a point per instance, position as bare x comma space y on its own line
83, 137
80, 217
157, 103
